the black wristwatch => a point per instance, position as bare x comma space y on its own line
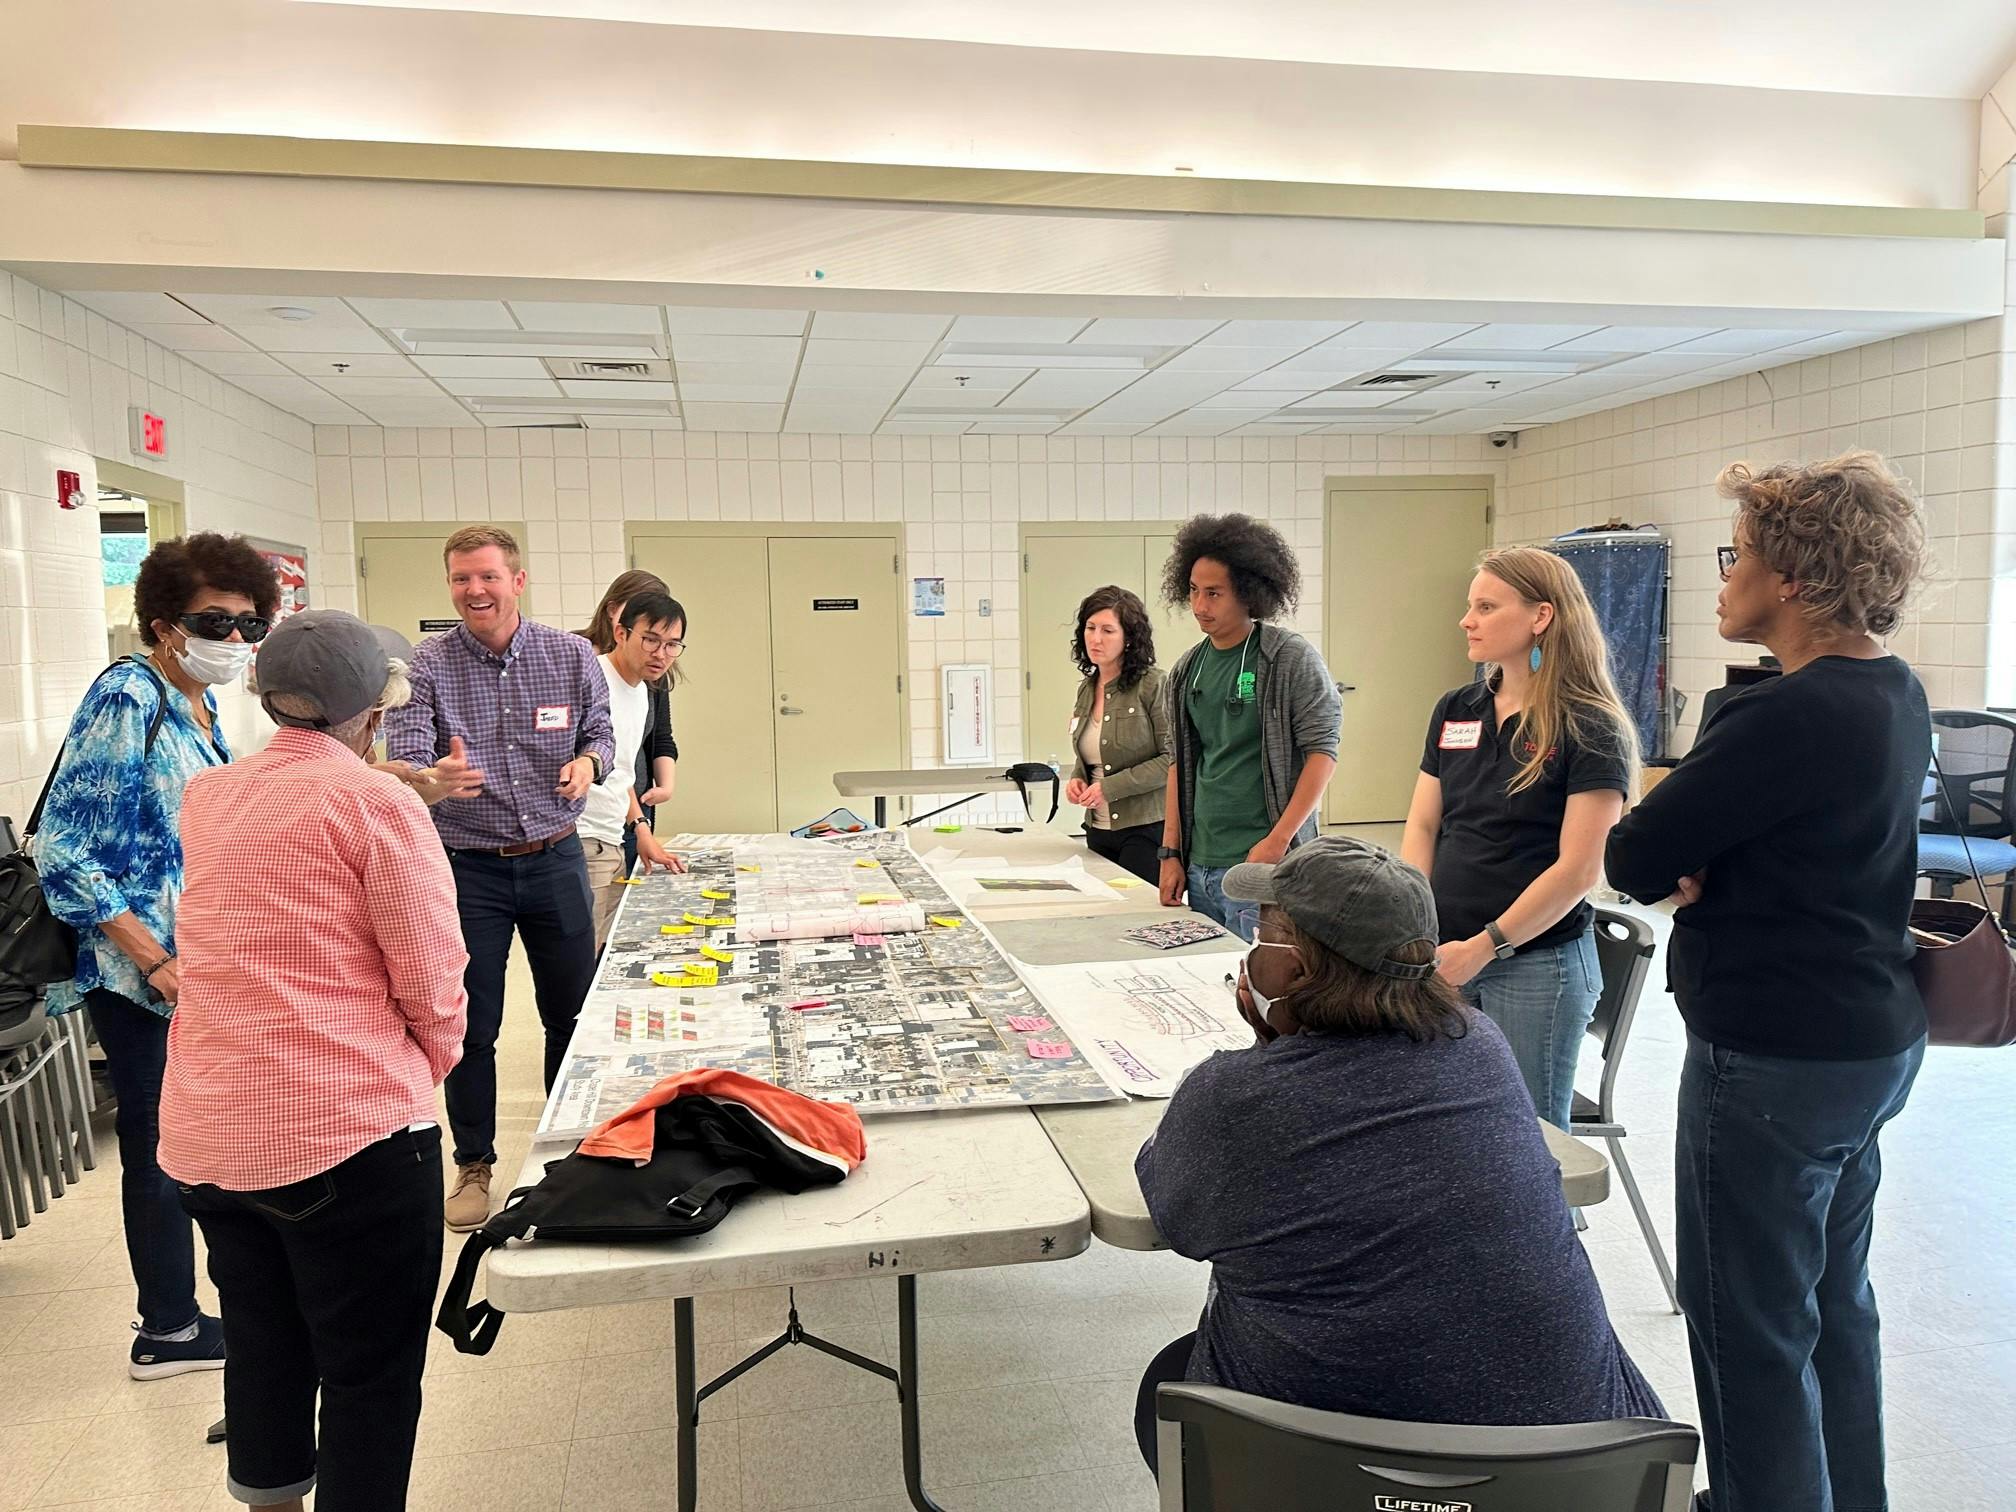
1168, 853
639, 820
1501, 948
595, 765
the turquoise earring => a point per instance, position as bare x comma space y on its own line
1533, 657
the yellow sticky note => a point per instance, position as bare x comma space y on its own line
717, 955
669, 979
719, 897
715, 921
864, 861
749, 868
946, 923
675, 929
879, 898
631, 881
697, 975
1123, 882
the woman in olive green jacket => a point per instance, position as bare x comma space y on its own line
1119, 732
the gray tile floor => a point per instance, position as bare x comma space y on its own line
1029, 1372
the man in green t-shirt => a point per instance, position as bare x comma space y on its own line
1253, 710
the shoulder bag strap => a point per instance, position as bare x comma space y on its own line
1960, 824
153, 729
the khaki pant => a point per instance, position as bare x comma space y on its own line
605, 882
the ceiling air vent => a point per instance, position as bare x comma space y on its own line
1392, 380
611, 369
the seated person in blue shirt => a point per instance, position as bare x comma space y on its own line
1385, 1227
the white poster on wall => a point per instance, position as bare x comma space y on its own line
968, 705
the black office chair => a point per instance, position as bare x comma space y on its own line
1624, 947
1965, 825
1225, 1451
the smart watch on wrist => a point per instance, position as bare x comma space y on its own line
1501, 948
1168, 853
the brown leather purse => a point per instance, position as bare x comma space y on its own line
1965, 966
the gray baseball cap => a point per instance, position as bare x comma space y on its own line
1363, 902
331, 658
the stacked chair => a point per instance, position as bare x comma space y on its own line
46, 1102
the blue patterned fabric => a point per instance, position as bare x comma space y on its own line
1626, 581
111, 836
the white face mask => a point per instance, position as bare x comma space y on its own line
215, 662
1261, 1001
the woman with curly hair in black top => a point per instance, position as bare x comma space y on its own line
1252, 715
1119, 731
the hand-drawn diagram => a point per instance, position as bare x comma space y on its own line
1145, 1023
886, 1017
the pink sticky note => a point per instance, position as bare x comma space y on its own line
863, 938
1049, 1050
1028, 1025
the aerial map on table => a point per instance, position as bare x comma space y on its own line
838, 968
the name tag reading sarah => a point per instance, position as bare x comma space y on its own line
554, 717
1461, 734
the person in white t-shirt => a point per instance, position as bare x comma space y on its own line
646, 634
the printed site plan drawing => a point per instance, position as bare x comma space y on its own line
838, 968
1146, 1022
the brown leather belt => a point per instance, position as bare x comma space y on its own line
529, 848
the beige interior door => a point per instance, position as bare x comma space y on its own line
721, 707
835, 630
1397, 568
1058, 571
402, 584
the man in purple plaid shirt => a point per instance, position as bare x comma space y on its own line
530, 708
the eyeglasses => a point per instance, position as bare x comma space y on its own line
217, 625
657, 643
1725, 561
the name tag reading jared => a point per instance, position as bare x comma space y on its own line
1461, 734
560, 717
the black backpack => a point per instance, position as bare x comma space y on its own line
37, 948
706, 1153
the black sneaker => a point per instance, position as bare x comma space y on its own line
156, 1359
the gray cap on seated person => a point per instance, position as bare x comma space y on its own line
1363, 902
332, 659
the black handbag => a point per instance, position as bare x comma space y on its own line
706, 1154
37, 948
1965, 964
1025, 772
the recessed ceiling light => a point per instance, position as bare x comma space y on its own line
290, 312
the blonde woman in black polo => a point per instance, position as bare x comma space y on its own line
1120, 744
1523, 775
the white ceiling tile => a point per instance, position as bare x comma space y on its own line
732, 417
834, 422
559, 315
320, 365
1407, 335
1184, 387
979, 381
1658, 365
1291, 378
525, 422
1072, 388
308, 337
1016, 328
1519, 338
243, 363
1012, 428
438, 314
617, 388
280, 390
194, 338
482, 367
502, 388
706, 320
738, 372
1110, 428
691, 394
1129, 332
442, 411
353, 387
923, 427
862, 325
634, 422
1350, 399
1225, 359
904, 354
257, 310
713, 348
1494, 383
1737, 342
1294, 334
326, 411
850, 399
1633, 339
877, 380
141, 309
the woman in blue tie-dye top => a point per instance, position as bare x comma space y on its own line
110, 855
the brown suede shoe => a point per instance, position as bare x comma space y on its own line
468, 1204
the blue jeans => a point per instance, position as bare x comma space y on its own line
1778, 1167
160, 1244
1207, 897
1542, 1001
544, 897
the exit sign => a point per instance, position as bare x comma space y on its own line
150, 433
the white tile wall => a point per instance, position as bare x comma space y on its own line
1934, 403
959, 497
67, 376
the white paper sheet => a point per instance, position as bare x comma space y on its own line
1145, 1023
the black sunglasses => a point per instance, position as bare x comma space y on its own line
217, 625
1725, 561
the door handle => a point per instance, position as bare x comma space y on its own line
788, 710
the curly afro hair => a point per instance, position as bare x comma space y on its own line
1138, 654
1264, 571
175, 572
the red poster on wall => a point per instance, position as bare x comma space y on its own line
290, 564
